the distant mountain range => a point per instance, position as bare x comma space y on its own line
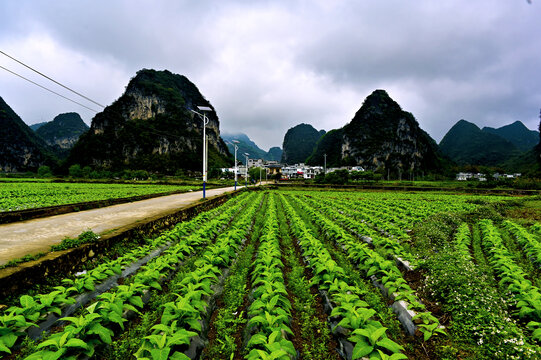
518, 134
466, 144
151, 127
246, 145
37, 125
62, 133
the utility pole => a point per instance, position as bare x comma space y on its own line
325, 164
205, 143
246, 174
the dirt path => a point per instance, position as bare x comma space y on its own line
33, 236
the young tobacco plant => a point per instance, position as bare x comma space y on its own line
429, 325
158, 346
82, 335
371, 342
275, 347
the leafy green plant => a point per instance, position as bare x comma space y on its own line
274, 346
371, 342
87, 327
159, 345
429, 325
12, 326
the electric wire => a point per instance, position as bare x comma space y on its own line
56, 82
43, 87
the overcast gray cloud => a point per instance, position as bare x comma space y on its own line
269, 65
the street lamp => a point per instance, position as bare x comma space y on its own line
205, 122
246, 174
234, 143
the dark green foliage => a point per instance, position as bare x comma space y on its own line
299, 143
163, 138
20, 148
518, 134
338, 177
246, 145
76, 171
465, 144
524, 163
44, 171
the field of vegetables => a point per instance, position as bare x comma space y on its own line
295, 274
28, 195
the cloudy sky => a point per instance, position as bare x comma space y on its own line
269, 65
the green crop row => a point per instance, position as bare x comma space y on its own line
181, 319
463, 240
270, 312
527, 296
16, 319
26, 195
373, 264
342, 215
366, 333
530, 244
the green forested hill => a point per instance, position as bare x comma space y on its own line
299, 143
62, 133
151, 127
518, 134
466, 144
381, 137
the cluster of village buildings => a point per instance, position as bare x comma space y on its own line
464, 176
303, 171
297, 171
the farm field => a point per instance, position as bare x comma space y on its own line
28, 195
301, 274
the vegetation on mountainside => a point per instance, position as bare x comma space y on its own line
382, 137
168, 140
63, 126
299, 142
465, 144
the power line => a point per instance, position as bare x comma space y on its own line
96, 111
56, 82
43, 87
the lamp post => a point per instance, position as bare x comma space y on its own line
235, 142
246, 174
205, 122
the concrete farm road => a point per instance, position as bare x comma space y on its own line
37, 235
